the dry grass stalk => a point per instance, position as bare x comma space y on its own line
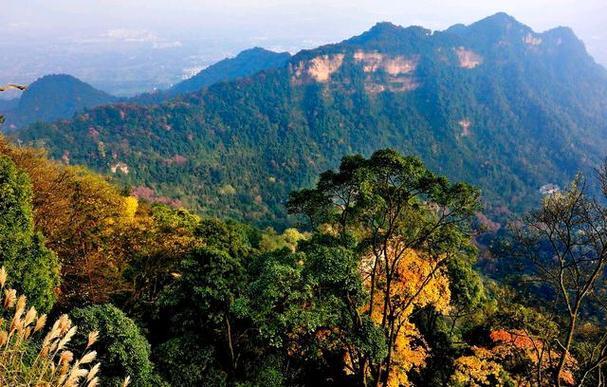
23, 363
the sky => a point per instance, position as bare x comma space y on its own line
221, 28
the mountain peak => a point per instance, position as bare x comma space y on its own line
257, 51
500, 22
387, 35
246, 63
56, 96
57, 78
384, 27
56, 82
499, 18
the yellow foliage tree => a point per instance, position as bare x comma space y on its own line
85, 220
417, 283
479, 369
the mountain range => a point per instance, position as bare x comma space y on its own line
60, 96
493, 103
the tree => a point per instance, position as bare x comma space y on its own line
200, 321
564, 245
394, 207
35, 268
157, 241
305, 305
122, 348
86, 222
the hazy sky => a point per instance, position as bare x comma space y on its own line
227, 26
265, 19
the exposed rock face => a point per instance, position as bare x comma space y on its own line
318, 69
532, 40
468, 59
397, 68
374, 61
465, 124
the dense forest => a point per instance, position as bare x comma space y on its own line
53, 97
494, 104
60, 96
404, 208
378, 285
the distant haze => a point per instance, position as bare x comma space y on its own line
127, 46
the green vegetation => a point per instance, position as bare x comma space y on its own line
378, 283
121, 348
381, 289
524, 116
33, 267
52, 97
29, 358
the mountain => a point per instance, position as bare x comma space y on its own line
246, 63
493, 103
8, 104
55, 97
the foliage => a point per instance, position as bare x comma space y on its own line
84, 220
122, 348
271, 241
200, 322
479, 369
22, 250
28, 359
535, 116
564, 244
381, 288
407, 223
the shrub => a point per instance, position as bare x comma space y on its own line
123, 350
28, 359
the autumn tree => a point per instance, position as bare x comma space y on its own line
86, 221
395, 208
564, 245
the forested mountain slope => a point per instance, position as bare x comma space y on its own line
246, 63
53, 97
494, 103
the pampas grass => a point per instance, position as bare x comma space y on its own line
25, 360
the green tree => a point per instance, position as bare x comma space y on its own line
200, 322
122, 348
391, 205
305, 306
33, 267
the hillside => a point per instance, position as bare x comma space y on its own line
54, 97
493, 103
246, 63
